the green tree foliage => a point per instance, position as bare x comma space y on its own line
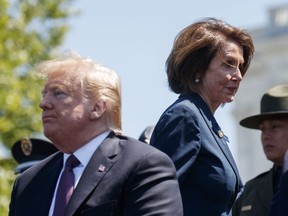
30, 31
7, 177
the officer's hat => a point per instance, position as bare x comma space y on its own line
146, 134
274, 104
29, 151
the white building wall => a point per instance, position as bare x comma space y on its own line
269, 68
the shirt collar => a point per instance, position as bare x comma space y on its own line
85, 153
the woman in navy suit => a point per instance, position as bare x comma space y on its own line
206, 65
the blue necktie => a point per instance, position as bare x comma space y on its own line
66, 186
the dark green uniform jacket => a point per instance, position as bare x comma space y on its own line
257, 195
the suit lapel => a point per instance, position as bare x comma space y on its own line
226, 151
44, 184
100, 163
215, 130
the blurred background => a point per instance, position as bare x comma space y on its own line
134, 38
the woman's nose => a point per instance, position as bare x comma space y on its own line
237, 76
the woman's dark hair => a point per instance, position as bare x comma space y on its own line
194, 48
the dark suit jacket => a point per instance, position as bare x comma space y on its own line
256, 197
279, 206
137, 180
208, 177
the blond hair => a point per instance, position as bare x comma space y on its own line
97, 82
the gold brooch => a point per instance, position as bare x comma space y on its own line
220, 133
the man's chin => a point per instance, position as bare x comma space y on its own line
49, 133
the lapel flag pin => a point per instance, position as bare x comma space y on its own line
101, 168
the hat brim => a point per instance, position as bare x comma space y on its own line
253, 122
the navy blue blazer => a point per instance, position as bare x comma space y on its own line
124, 177
208, 177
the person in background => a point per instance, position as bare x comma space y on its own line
207, 63
146, 134
98, 171
273, 123
29, 151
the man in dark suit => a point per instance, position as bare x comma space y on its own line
273, 123
106, 173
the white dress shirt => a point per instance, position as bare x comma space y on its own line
84, 155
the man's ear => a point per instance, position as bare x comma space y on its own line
98, 109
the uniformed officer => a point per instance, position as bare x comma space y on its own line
273, 123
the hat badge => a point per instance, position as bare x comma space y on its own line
26, 146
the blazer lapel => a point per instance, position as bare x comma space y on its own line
216, 131
222, 143
44, 184
100, 163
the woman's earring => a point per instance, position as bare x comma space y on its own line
197, 80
